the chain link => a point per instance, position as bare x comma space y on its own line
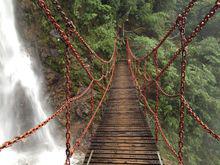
200, 122
181, 21
66, 40
36, 128
68, 107
185, 13
185, 41
189, 39
69, 23
156, 119
166, 94
204, 21
112, 70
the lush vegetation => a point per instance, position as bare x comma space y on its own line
145, 22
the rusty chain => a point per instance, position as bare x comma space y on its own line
68, 22
79, 140
189, 39
36, 128
165, 93
200, 122
204, 21
146, 104
148, 78
184, 13
181, 21
66, 40
184, 42
68, 107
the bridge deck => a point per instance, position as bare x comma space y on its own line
123, 136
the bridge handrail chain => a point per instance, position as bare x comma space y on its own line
185, 41
85, 130
200, 122
68, 107
189, 39
184, 13
37, 127
151, 79
195, 32
181, 22
66, 40
148, 106
134, 64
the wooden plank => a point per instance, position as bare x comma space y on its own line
147, 145
100, 151
124, 116
123, 136
122, 129
130, 141
125, 156
125, 161
131, 148
144, 138
137, 132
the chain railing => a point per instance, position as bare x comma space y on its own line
134, 67
33, 130
78, 141
185, 41
66, 106
67, 41
184, 13
146, 104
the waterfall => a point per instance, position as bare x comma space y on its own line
21, 107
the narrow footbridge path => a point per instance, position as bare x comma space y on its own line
123, 136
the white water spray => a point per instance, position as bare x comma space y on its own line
20, 105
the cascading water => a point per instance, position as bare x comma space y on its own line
20, 105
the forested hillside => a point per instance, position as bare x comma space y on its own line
144, 23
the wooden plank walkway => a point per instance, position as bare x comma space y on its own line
123, 136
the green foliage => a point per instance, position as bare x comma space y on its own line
203, 91
156, 23
203, 74
145, 22
95, 21
164, 5
102, 38
145, 43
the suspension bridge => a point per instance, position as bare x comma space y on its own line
124, 134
